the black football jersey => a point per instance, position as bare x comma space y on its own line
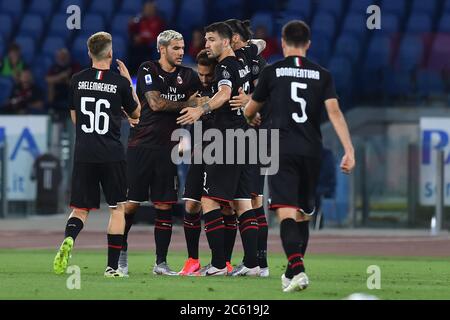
296, 90
155, 127
235, 74
98, 96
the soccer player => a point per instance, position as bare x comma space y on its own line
194, 181
297, 89
249, 52
225, 183
97, 100
164, 87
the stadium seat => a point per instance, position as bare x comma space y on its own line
119, 24
28, 47
44, 8
341, 70
7, 85
80, 51
132, 7
92, 23
223, 10
348, 46
410, 53
51, 45
424, 7
119, 47
167, 9
2, 46
360, 6
397, 83
331, 6
429, 83
324, 23
397, 7
390, 24
263, 5
378, 53
57, 26
419, 23
40, 68
440, 51
32, 25
320, 48
444, 23
193, 15
66, 3
6, 26
262, 19
446, 7
105, 8
13, 8
352, 25
301, 7
285, 18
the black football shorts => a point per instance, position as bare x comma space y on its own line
151, 175
86, 181
294, 186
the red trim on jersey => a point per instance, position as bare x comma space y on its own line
85, 209
278, 206
217, 199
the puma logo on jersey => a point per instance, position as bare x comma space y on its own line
146, 69
206, 190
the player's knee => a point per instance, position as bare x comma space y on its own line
131, 207
257, 202
80, 214
193, 207
162, 206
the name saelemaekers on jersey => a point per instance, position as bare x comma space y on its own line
97, 86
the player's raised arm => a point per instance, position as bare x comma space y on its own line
260, 43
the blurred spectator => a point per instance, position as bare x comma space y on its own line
26, 98
271, 43
58, 81
197, 43
12, 64
144, 30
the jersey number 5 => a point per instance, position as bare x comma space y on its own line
294, 96
94, 118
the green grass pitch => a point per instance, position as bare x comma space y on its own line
27, 274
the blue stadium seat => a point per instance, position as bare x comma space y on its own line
6, 25
57, 26
193, 14
440, 51
348, 46
397, 83
262, 19
188, 60
51, 45
13, 8
262, 5
105, 8
119, 24
397, 7
301, 7
332, 6
40, 68
410, 53
425, 7
352, 25
119, 47
167, 9
320, 50
80, 52
285, 18
419, 23
360, 6
378, 53
342, 71
132, 7
66, 3
7, 85
44, 8
429, 83
390, 23
92, 23
28, 46
446, 6
444, 23
2, 46
223, 10
32, 25
324, 23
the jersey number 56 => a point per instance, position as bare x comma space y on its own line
294, 96
94, 118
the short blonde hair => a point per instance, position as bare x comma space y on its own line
166, 36
99, 45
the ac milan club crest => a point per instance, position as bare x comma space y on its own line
179, 80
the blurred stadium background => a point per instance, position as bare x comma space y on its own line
388, 80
